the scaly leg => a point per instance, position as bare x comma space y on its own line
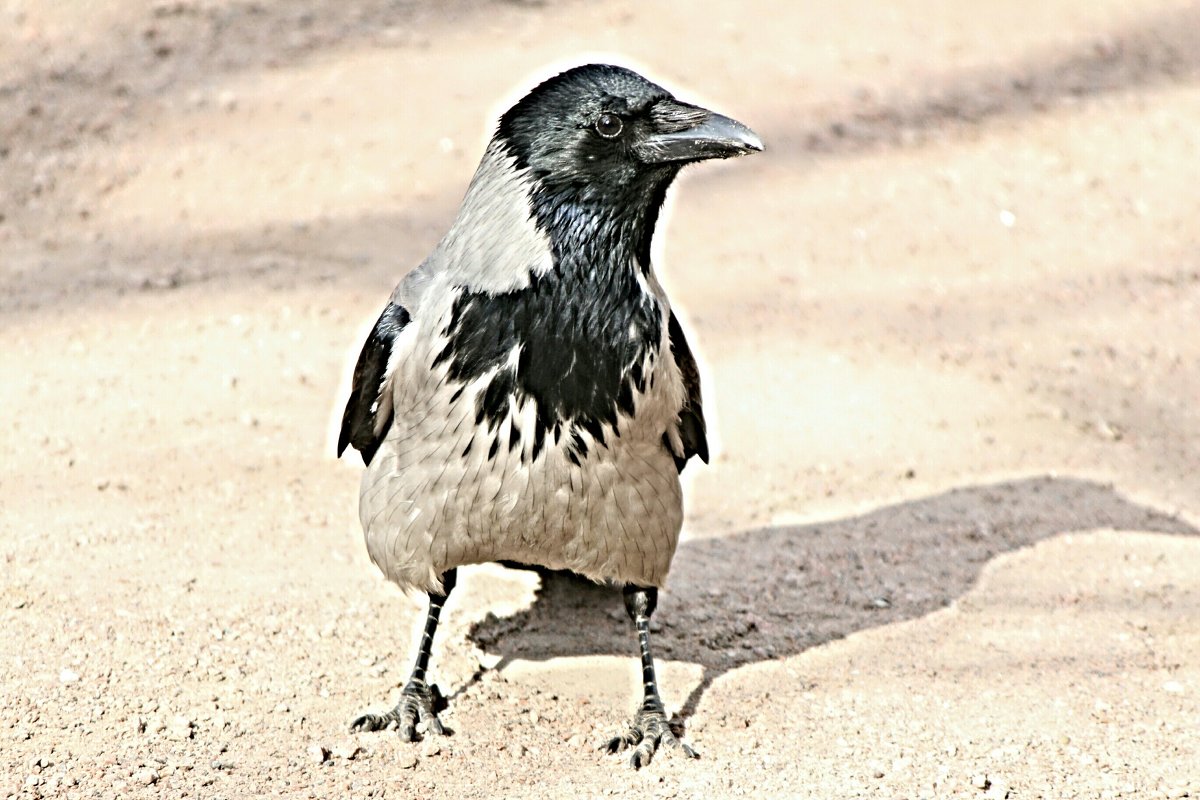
419, 701
650, 727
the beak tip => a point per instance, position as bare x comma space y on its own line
740, 139
717, 136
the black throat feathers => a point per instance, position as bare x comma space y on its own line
585, 332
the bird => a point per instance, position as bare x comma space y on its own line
527, 395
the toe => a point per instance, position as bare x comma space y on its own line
629, 738
408, 730
614, 745
671, 742
642, 755
366, 722
434, 725
425, 711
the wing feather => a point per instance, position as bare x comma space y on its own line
692, 430
368, 415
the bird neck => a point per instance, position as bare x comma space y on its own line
598, 229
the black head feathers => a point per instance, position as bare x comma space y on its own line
609, 128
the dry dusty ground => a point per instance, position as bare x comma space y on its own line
950, 326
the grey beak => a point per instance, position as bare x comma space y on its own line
716, 136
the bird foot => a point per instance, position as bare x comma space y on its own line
648, 731
419, 703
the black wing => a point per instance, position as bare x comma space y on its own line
366, 420
692, 430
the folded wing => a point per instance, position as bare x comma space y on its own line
692, 431
369, 409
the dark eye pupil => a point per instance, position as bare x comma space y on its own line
609, 125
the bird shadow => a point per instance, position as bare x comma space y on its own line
775, 592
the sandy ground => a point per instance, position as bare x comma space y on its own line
949, 326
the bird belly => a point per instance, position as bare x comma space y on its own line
444, 491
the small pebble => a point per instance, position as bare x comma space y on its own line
145, 777
317, 754
347, 750
179, 728
406, 759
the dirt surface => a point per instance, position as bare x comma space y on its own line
949, 328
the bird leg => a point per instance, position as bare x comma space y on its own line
419, 701
650, 727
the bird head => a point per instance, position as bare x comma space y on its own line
603, 140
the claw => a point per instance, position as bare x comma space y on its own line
419, 703
647, 733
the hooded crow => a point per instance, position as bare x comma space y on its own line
527, 395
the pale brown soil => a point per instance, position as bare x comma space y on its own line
950, 328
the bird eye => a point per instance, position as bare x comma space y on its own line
609, 126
